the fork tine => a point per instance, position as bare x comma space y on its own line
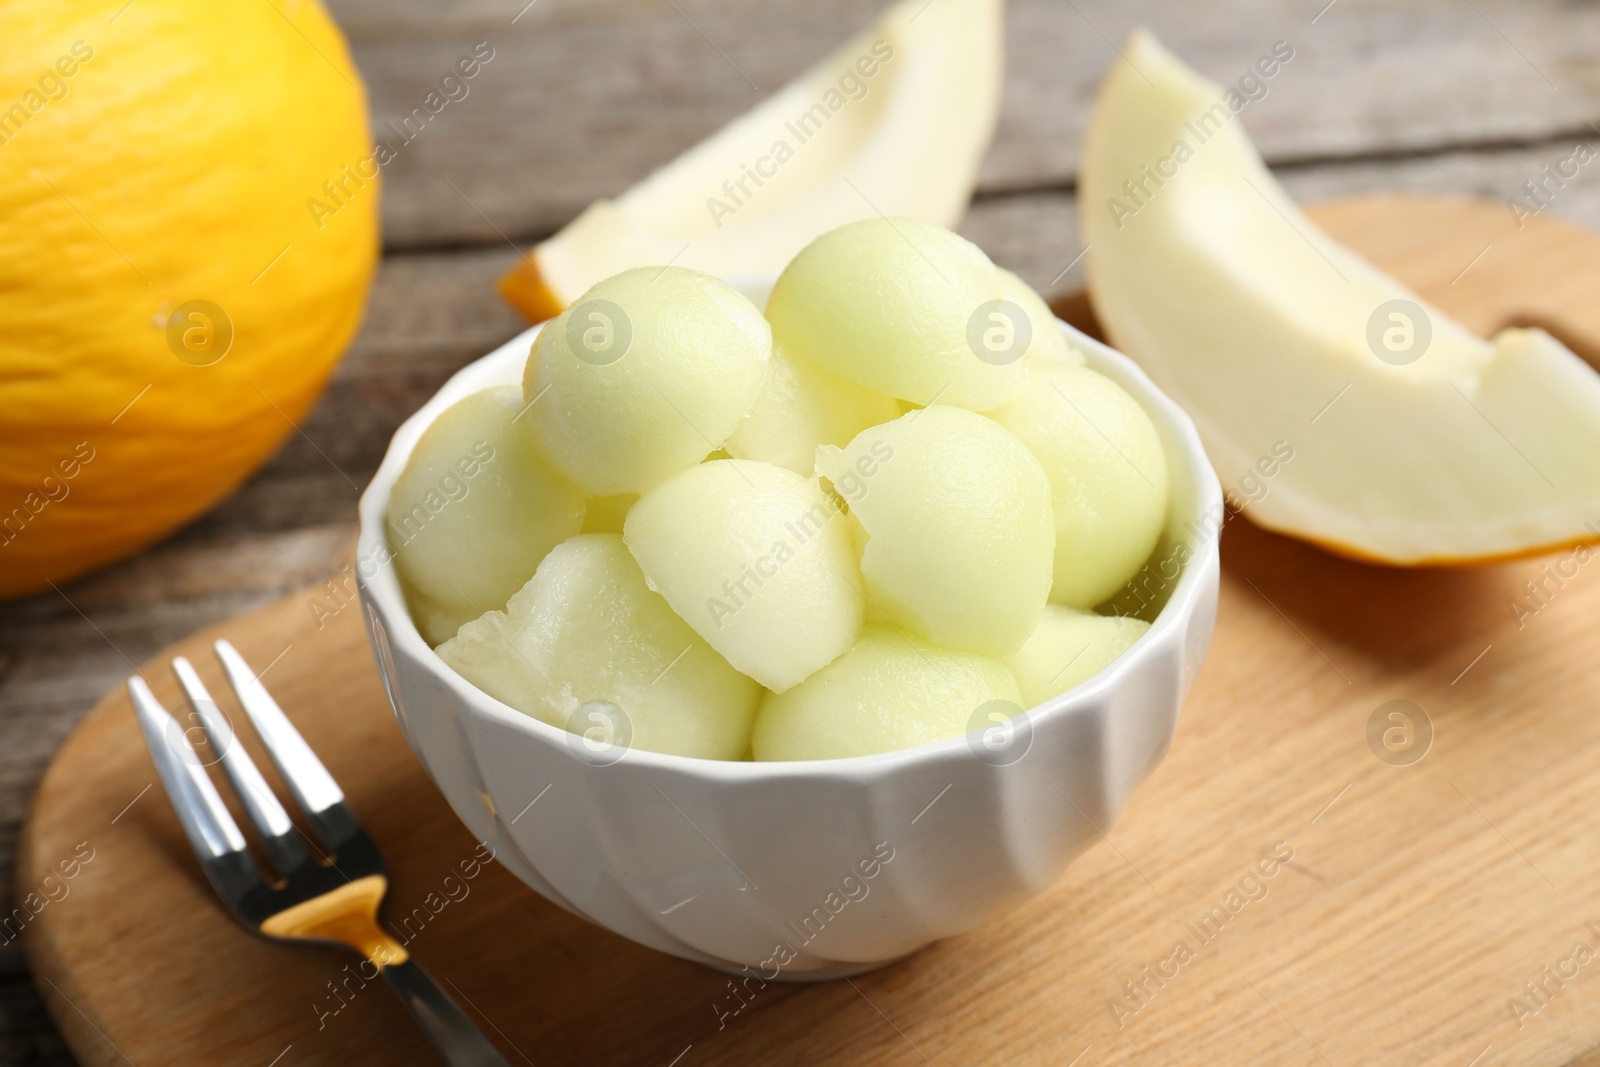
314, 789
211, 830
278, 834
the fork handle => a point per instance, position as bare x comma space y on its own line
455, 1036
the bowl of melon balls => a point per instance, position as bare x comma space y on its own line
789, 625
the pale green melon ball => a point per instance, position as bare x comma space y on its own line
1108, 476
959, 532
1046, 339
477, 507
436, 622
890, 691
804, 406
644, 375
587, 628
757, 559
1069, 647
888, 303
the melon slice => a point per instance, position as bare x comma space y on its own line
1412, 441
896, 121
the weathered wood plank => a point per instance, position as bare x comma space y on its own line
1369, 77
584, 97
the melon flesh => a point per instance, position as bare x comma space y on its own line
476, 508
1108, 476
1275, 339
959, 533
1067, 649
801, 408
643, 376
587, 628
895, 120
757, 559
888, 304
436, 622
1048, 340
890, 691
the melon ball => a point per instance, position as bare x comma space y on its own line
959, 531
899, 307
436, 622
1108, 476
1068, 648
758, 560
804, 406
1046, 341
892, 690
587, 628
644, 375
477, 507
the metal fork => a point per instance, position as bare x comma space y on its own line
328, 899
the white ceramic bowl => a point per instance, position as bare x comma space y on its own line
802, 870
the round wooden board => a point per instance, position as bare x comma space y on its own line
1418, 901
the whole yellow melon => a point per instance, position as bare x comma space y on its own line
188, 228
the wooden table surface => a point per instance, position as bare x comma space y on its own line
583, 97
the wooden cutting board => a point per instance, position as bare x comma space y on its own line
1418, 901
